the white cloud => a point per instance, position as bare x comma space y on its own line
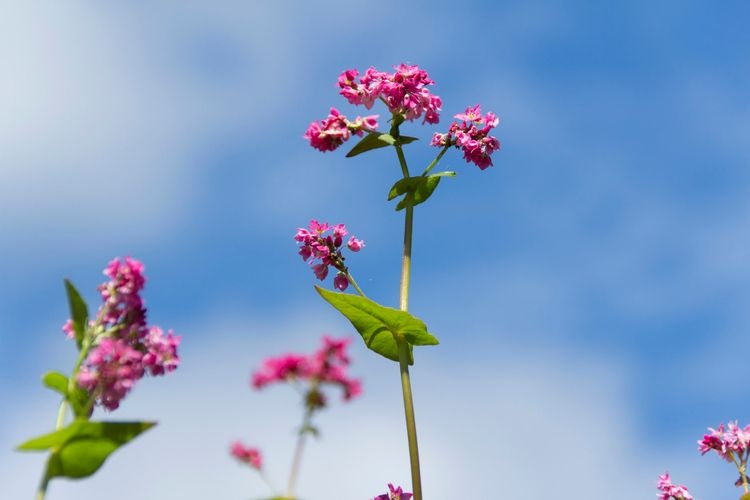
517, 423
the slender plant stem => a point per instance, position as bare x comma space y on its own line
298, 451
41, 492
354, 284
436, 160
403, 347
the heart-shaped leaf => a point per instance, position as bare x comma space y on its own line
378, 325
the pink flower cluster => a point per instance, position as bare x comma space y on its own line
472, 136
332, 132
394, 494
404, 91
247, 455
326, 366
730, 443
670, 491
128, 348
323, 250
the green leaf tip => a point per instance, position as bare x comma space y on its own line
79, 312
378, 325
57, 382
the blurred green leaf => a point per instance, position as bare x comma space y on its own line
57, 382
79, 449
79, 313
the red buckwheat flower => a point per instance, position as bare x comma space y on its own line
323, 250
404, 91
125, 347
472, 136
670, 491
332, 132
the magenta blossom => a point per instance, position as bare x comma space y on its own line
111, 370
472, 136
404, 91
394, 494
670, 491
325, 367
246, 455
322, 250
728, 444
332, 132
124, 348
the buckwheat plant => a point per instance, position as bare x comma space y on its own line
116, 348
732, 443
309, 375
406, 93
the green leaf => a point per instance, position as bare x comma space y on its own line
375, 140
119, 432
378, 325
746, 496
57, 382
417, 189
79, 313
80, 458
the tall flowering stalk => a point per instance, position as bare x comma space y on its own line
407, 95
309, 375
115, 349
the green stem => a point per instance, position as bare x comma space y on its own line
403, 346
355, 285
42, 491
298, 451
403, 361
436, 160
61, 412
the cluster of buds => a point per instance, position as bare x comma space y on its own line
126, 348
471, 135
404, 91
394, 494
336, 129
326, 366
669, 491
323, 250
246, 455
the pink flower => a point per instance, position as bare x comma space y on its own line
67, 328
322, 250
125, 347
355, 245
281, 369
341, 282
670, 491
247, 455
161, 355
110, 371
325, 367
333, 131
394, 494
404, 91
472, 136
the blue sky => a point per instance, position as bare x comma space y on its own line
589, 291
